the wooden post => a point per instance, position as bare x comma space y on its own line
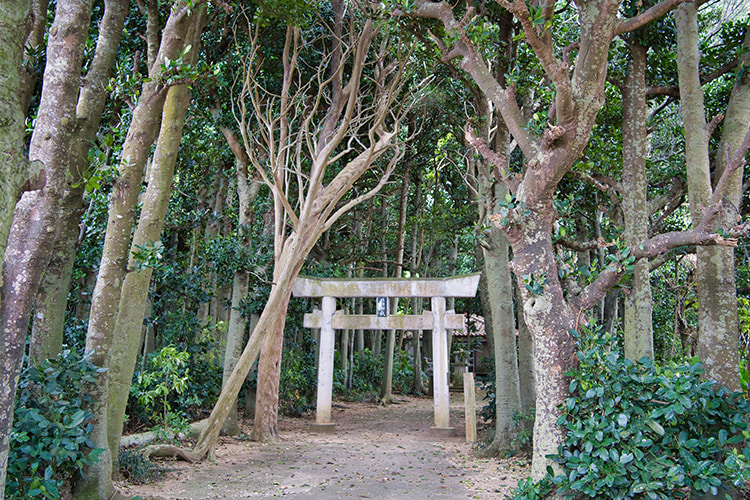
470, 405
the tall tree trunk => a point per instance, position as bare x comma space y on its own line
13, 30
134, 295
49, 318
420, 342
526, 375
106, 297
639, 338
500, 292
14, 27
718, 328
247, 190
386, 392
32, 231
717, 291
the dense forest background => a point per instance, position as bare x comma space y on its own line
170, 167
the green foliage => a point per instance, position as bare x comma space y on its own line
528, 489
640, 430
298, 381
135, 468
403, 371
178, 71
50, 443
169, 374
621, 259
149, 254
523, 426
366, 372
161, 394
511, 211
535, 283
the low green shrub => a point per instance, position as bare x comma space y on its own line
135, 468
367, 372
198, 381
639, 430
49, 443
297, 382
403, 371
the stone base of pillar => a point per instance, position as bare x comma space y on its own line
443, 431
329, 428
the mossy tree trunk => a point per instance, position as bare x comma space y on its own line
718, 328
637, 325
49, 308
134, 294
14, 16
144, 126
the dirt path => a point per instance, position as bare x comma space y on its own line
376, 452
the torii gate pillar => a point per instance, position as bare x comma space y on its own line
438, 320
325, 367
440, 367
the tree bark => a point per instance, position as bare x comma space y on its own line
134, 294
500, 291
35, 218
14, 16
49, 316
526, 375
14, 26
106, 297
717, 291
637, 324
718, 328
247, 190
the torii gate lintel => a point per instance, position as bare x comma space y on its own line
439, 321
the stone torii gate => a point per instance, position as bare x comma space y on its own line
438, 320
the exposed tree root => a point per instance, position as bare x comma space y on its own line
170, 451
146, 437
490, 451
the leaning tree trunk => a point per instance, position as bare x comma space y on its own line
106, 297
717, 304
134, 295
13, 31
639, 338
36, 214
270, 324
49, 308
13, 165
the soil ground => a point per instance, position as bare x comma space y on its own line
376, 452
